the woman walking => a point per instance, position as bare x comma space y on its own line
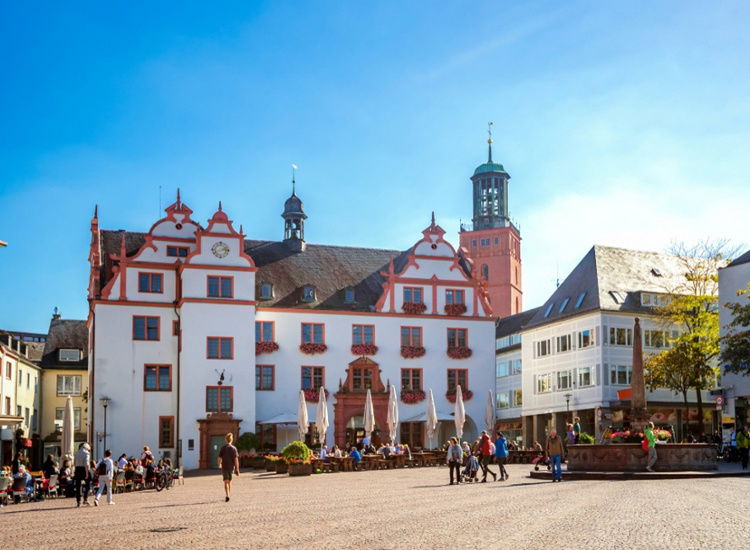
554, 450
501, 455
454, 457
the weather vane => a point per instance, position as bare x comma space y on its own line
294, 171
489, 132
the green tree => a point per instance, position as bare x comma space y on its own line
736, 342
689, 362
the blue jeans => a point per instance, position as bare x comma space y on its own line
556, 466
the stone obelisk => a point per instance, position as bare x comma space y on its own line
638, 413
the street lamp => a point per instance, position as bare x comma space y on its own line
567, 397
105, 403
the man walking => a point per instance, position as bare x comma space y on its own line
485, 450
554, 450
454, 457
649, 433
743, 446
228, 462
81, 473
501, 455
105, 470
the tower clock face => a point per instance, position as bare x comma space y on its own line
220, 249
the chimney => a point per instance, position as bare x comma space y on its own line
55, 314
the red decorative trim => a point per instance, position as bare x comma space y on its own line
412, 308
364, 349
265, 347
459, 353
450, 395
454, 310
312, 349
411, 397
412, 352
313, 395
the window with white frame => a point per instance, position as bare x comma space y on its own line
59, 411
69, 355
515, 366
654, 300
68, 385
543, 347
517, 398
585, 377
503, 401
544, 383
564, 343
501, 368
620, 336
655, 338
620, 375
585, 338
564, 380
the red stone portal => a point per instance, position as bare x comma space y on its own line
361, 374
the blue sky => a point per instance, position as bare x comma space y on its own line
621, 124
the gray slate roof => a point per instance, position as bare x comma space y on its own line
604, 270
66, 333
330, 269
514, 323
743, 259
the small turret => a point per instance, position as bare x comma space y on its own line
294, 220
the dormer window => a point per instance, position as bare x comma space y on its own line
349, 295
308, 293
69, 355
266, 291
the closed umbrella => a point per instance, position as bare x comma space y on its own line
321, 416
489, 413
431, 421
66, 438
392, 419
302, 422
369, 416
459, 414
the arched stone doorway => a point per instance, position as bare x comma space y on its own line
362, 374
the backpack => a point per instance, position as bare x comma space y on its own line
101, 470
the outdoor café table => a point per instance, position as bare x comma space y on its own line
371, 461
398, 460
345, 463
419, 458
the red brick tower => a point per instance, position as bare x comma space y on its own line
492, 241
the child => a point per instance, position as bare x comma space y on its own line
471, 469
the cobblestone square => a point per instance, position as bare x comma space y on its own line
411, 508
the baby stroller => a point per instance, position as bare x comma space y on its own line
469, 472
542, 460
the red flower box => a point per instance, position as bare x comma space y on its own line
459, 353
414, 308
313, 395
410, 397
412, 352
311, 349
364, 349
454, 310
265, 347
451, 395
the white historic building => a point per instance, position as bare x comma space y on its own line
573, 355
734, 277
196, 331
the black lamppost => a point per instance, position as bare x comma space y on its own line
105, 403
567, 397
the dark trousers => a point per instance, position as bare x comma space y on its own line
455, 465
485, 464
744, 454
81, 479
501, 464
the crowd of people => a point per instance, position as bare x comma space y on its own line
363, 447
81, 476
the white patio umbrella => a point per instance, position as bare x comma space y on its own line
302, 422
459, 414
369, 416
321, 416
489, 414
392, 419
68, 426
431, 420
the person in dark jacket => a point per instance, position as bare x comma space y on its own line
50, 467
485, 451
501, 455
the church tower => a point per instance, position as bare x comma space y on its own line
492, 241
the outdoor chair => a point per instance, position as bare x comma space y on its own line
4, 484
179, 476
138, 483
118, 483
52, 485
18, 489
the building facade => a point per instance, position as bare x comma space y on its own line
734, 277
576, 350
492, 241
199, 331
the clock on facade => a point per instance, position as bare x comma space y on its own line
220, 249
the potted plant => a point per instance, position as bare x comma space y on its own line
414, 308
312, 396
411, 397
311, 349
450, 395
412, 352
454, 310
459, 352
297, 458
271, 461
364, 349
265, 347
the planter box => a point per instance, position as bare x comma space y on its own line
629, 457
282, 467
270, 465
300, 469
257, 463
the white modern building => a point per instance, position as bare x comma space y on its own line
576, 350
196, 331
734, 277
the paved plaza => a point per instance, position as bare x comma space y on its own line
396, 509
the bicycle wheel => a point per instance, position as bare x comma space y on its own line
161, 482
